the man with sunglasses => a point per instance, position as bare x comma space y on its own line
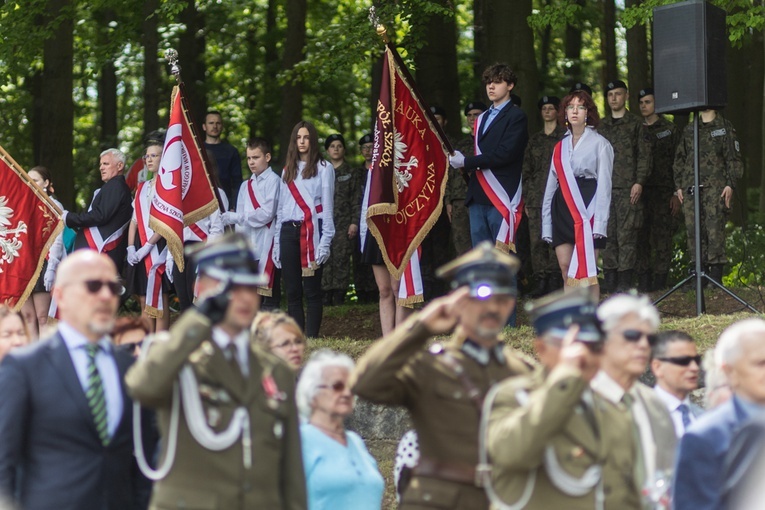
443, 387
630, 324
65, 417
676, 364
235, 444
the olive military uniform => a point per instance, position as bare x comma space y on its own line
456, 190
335, 272
398, 371
719, 166
205, 479
557, 414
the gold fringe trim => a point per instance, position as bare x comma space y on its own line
584, 282
410, 301
505, 247
154, 313
265, 291
174, 244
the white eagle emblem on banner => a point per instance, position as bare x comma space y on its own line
10, 244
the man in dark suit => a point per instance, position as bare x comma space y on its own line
103, 227
701, 459
494, 191
65, 417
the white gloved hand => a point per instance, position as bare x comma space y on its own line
230, 218
276, 256
548, 240
169, 265
457, 160
322, 255
49, 278
131, 256
144, 251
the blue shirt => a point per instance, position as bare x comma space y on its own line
339, 477
492, 113
107, 368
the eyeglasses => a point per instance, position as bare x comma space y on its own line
633, 335
152, 156
132, 347
94, 286
290, 343
573, 107
337, 387
683, 361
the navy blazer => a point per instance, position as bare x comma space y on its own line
699, 473
502, 147
48, 436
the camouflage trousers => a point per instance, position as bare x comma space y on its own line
624, 223
461, 228
336, 271
543, 259
655, 245
714, 214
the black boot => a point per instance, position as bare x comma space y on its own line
659, 281
644, 282
540, 286
554, 281
624, 281
716, 272
609, 282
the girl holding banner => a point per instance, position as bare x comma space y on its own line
578, 193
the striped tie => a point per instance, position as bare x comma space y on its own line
95, 395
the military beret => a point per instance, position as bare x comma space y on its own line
367, 138
555, 101
616, 84
154, 138
486, 270
581, 86
438, 110
516, 99
555, 313
229, 258
475, 105
332, 138
648, 91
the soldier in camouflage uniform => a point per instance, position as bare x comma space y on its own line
536, 168
363, 278
456, 185
334, 279
720, 168
661, 204
632, 166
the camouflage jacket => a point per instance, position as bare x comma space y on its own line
720, 162
345, 196
536, 165
665, 137
456, 185
632, 149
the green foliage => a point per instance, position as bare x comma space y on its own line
745, 249
555, 14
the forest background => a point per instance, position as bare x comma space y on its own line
81, 76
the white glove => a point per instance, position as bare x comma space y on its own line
230, 218
49, 278
276, 256
169, 265
548, 240
131, 256
322, 254
457, 160
144, 251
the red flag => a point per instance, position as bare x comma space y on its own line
409, 167
183, 193
29, 223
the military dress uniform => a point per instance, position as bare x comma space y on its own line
719, 166
632, 165
335, 272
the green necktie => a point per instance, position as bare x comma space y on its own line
95, 395
639, 473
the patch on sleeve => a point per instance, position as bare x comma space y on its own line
737, 146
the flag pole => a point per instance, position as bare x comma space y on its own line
171, 56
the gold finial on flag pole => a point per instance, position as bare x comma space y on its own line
379, 27
171, 56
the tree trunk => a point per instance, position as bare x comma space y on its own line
573, 51
436, 64
608, 48
58, 125
107, 84
191, 50
480, 56
152, 78
292, 91
637, 60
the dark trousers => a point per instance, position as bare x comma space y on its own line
184, 281
296, 285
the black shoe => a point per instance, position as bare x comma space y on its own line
624, 281
644, 282
609, 282
659, 281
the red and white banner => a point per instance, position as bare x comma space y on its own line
183, 193
410, 289
154, 262
29, 223
409, 168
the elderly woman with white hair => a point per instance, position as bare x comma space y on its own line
339, 471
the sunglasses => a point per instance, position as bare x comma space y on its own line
633, 335
337, 387
683, 361
94, 286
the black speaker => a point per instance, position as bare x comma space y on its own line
689, 57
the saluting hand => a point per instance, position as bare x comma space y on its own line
578, 355
440, 315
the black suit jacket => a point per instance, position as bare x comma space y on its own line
50, 453
502, 147
109, 211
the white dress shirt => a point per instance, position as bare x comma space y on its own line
672, 403
241, 341
253, 222
107, 369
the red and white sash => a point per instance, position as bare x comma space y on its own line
96, 241
265, 263
309, 228
154, 262
583, 270
410, 290
510, 209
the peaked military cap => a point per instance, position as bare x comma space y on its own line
648, 91
555, 313
486, 270
229, 258
616, 84
333, 138
580, 86
438, 110
553, 100
475, 105
367, 138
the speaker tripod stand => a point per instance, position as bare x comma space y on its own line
698, 274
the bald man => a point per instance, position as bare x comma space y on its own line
65, 418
